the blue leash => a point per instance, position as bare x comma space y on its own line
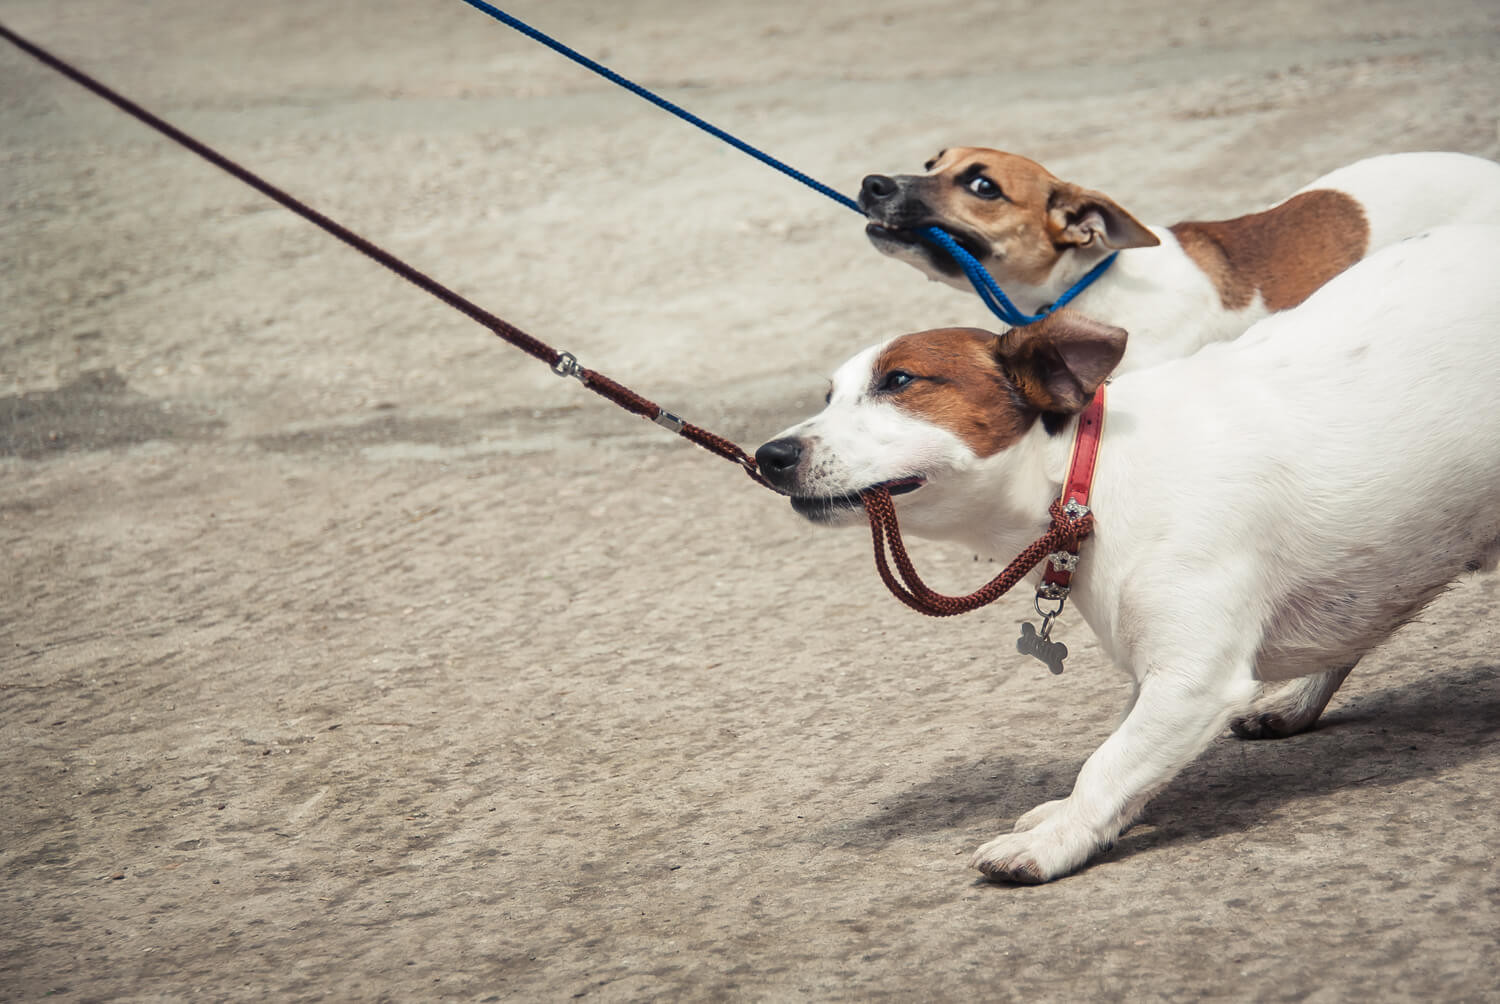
993, 296
984, 284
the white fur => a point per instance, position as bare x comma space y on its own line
1171, 308
1266, 510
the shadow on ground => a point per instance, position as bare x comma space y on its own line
1384, 739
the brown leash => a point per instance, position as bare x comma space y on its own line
1071, 522
562, 363
1065, 531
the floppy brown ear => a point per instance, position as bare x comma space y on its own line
1058, 362
1080, 217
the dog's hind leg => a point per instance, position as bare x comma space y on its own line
1290, 709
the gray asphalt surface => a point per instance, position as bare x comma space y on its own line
348, 654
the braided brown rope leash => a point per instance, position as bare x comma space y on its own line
878, 506
632, 402
1065, 532
562, 363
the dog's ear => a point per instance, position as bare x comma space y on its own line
1058, 362
1078, 216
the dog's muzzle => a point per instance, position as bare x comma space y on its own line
889, 201
835, 508
779, 462
897, 216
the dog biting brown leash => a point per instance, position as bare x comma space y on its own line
1069, 524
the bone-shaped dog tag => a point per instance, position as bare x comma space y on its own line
1050, 652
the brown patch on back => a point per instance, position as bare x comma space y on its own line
1284, 253
959, 386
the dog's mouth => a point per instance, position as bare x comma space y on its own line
831, 508
888, 238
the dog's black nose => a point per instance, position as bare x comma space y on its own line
876, 187
778, 460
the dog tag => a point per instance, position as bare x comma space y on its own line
1050, 652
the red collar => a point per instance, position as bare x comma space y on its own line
1058, 578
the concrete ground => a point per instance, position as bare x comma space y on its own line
347, 653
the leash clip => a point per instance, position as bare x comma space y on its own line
1048, 616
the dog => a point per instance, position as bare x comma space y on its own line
1265, 511
1173, 288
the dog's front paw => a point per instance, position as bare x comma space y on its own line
1009, 859
1033, 856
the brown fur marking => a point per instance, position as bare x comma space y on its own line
1017, 226
1284, 253
1018, 234
960, 386
1056, 363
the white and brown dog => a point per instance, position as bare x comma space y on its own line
1173, 288
1266, 511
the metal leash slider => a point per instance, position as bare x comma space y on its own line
667, 420
567, 366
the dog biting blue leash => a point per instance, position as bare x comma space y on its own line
984, 284
1066, 528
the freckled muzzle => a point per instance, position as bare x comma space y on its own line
894, 207
779, 462
831, 509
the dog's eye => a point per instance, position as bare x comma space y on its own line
828, 396
985, 188
895, 380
